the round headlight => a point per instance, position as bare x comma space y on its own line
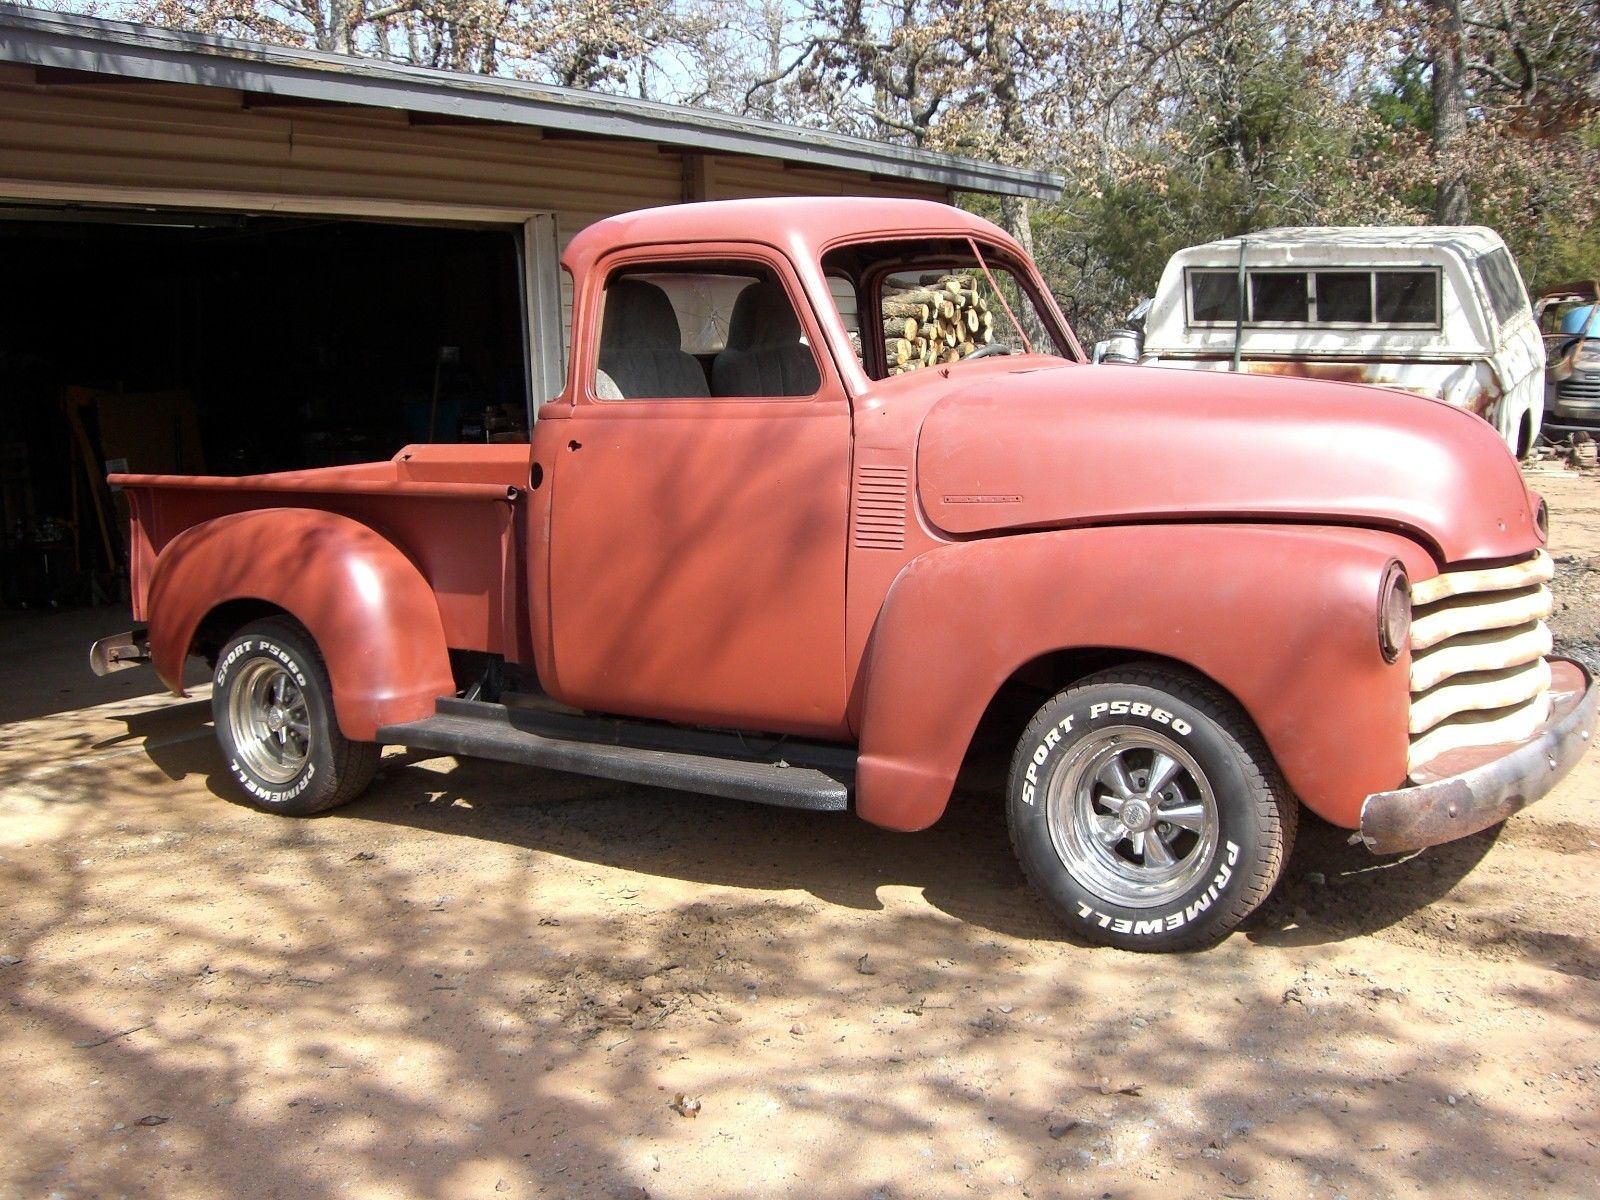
1394, 612
1541, 518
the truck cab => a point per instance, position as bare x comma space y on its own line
829, 482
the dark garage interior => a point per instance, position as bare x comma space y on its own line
229, 344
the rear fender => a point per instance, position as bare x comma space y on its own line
1283, 617
370, 611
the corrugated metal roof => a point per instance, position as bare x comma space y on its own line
119, 48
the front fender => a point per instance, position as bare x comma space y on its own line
1282, 616
370, 611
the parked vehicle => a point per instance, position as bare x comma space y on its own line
1569, 319
1438, 311
760, 564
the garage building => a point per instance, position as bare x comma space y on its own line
227, 258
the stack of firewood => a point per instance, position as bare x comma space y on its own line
940, 322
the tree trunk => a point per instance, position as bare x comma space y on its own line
1016, 218
1452, 200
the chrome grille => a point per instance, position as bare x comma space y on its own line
1478, 641
1585, 389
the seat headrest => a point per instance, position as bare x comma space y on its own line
639, 316
763, 315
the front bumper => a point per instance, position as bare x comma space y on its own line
1485, 792
1561, 424
1571, 415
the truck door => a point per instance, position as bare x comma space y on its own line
701, 501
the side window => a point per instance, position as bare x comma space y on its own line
703, 329
1505, 289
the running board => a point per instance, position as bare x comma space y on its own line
789, 774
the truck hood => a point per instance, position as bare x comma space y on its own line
1054, 447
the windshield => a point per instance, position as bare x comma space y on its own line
938, 302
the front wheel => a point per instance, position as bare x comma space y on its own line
273, 709
1145, 809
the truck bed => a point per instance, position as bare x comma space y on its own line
455, 511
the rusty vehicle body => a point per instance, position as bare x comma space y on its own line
1438, 311
813, 599
1572, 356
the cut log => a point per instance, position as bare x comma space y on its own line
896, 306
900, 327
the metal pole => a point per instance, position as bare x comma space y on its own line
1238, 309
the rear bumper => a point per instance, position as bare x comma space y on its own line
119, 652
1487, 792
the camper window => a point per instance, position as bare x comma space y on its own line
1278, 297
1333, 298
1344, 297
1215, 297
1407, 298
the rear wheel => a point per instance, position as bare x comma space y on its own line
1146, 810
273, 709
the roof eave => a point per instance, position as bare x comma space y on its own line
66, 41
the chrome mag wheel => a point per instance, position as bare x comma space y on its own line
1132, 816
271, 725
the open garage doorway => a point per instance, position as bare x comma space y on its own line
229, 344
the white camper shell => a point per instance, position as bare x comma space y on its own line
1439, 311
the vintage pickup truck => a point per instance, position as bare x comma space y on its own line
752, 552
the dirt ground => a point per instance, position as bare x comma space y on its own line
480, 981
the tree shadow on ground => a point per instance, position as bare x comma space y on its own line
963, 865
321, 1008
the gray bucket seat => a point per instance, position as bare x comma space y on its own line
764, 355
641, 347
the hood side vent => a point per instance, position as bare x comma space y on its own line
880, 508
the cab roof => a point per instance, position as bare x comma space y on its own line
805, 225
